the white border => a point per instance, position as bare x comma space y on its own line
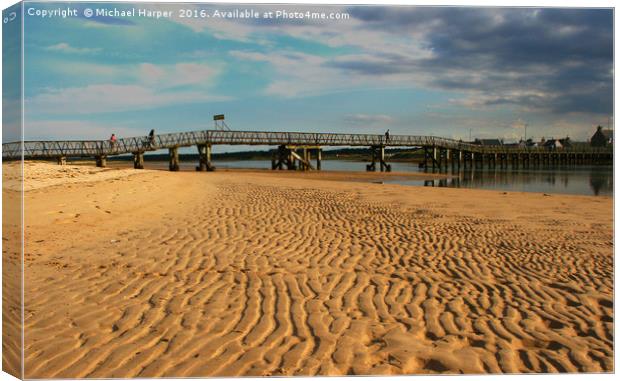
532, 3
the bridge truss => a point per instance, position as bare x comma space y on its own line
438, 150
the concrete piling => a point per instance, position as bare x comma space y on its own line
138, 160
292, 159
174, 158
101, 161
377, 153
204, 158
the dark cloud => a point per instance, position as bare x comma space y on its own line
562, 58
371, 67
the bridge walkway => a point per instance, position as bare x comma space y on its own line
439, 151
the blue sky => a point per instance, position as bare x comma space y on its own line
11, 88
414, 70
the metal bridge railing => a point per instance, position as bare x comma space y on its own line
91, 148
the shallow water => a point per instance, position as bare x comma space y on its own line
595, 181
583, 180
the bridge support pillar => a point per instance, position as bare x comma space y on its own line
274, 160
430, 155
138, 160
101, 161
377, 153
304, 161
525, 160
515, 161
492, 160
372, 167
61, 160
282, 157
204, 158
174, 158
384, 166
304, 164
290, 159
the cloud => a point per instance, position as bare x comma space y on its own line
105, 98
300, 74
68, 71
127, 88
554, 60
64, 47
151, 73
545, 60
368, 119
221, 29
577, 130
179, 74
192, 73
296, 73
76, 130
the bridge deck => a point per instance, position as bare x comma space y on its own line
93, 148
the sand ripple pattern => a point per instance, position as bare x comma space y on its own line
336, 285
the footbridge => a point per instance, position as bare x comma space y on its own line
301, 150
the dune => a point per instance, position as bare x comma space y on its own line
152, 273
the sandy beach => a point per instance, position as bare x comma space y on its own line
153, 273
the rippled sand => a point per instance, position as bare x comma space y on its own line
224, 274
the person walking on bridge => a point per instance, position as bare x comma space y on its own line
113, 141
152, 138
387, 136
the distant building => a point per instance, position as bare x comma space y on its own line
602, 137
489, 142
553, 144
523, 144
566, 143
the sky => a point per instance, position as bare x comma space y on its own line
439, 71
11, 65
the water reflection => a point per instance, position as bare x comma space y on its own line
595, 180
582, 179
602, 183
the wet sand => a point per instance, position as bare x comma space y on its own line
153, 273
